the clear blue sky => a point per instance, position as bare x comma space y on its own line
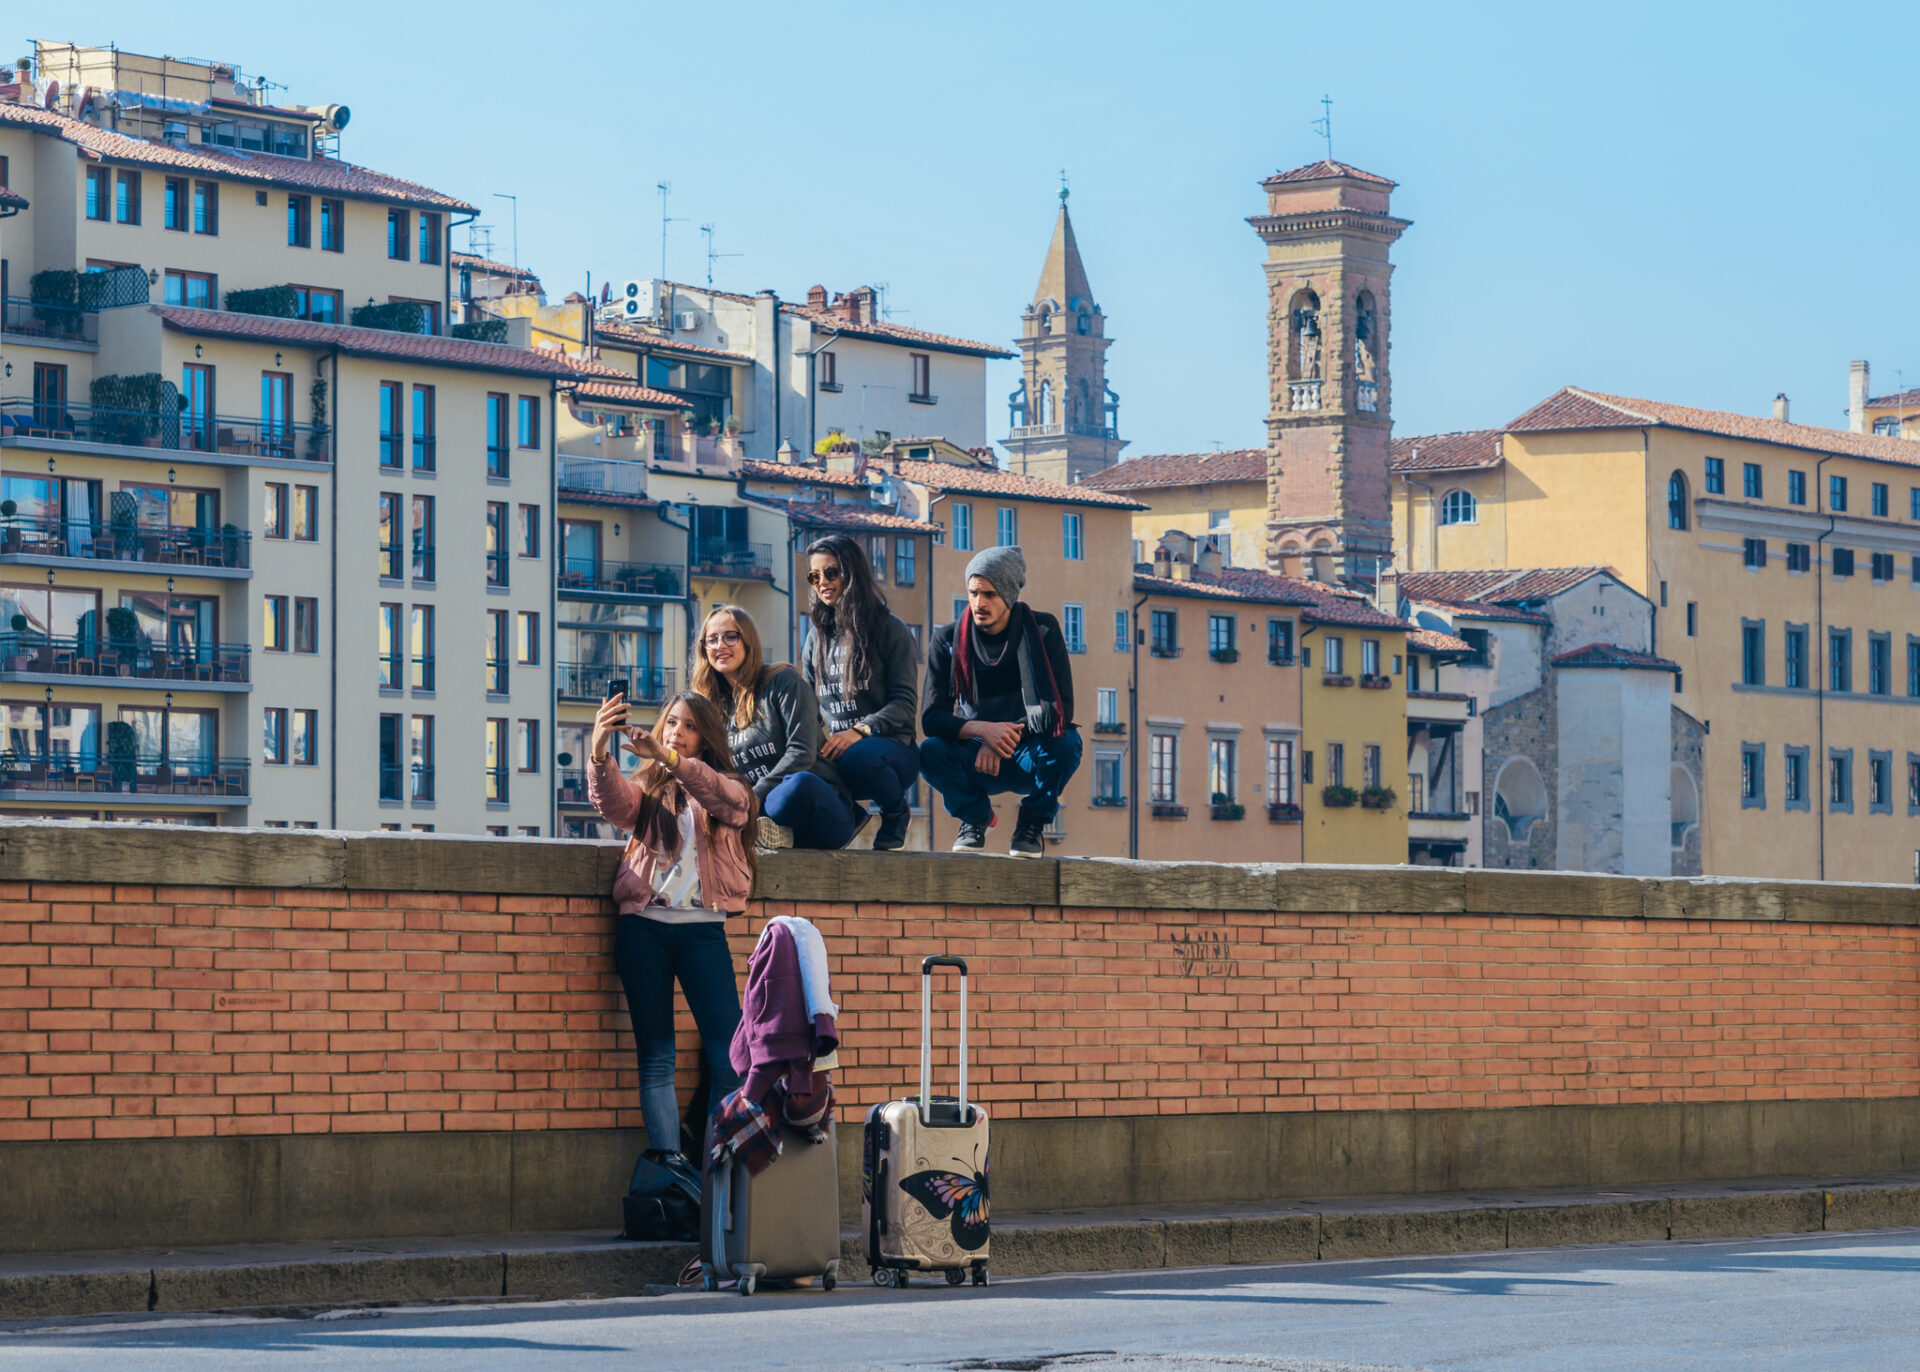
1699, 203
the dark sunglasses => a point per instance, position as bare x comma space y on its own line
826, 574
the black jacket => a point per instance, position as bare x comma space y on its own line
998, 688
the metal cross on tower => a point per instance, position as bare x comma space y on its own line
1324, 124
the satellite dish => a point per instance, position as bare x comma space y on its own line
53, 93
83, 102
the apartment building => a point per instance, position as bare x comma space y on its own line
260, 564
1781, 561
1217, 497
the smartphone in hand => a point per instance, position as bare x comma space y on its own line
618, 690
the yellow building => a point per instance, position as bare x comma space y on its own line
1217, 496
1780, 559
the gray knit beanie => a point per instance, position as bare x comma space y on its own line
1005, 568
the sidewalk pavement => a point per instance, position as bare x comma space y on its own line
288, 1278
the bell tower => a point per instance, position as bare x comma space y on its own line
1063, 416
1329, 415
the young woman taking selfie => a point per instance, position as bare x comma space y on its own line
773, 728
688, 866
860, 661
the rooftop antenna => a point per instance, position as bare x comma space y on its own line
707, 229
1324, 124
501, 195
666, 189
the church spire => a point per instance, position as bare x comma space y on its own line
1063, 281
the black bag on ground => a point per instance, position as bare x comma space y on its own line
662, 1203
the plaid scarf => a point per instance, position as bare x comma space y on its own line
741, 1128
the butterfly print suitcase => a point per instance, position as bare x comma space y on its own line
924, 1169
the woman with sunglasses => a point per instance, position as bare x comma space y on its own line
860, 660
773, 731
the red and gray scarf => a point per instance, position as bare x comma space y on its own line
1039, 692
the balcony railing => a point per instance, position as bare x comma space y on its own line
92, 656
619, 578
166, 545
1057, 430
572, 784
497, 785
588, 681
1224, 654
1163, 809
725, 558
1366, 396
1303, 395
1164, 650
1279, 658
223, 778
36, 319
1109, 726
1110, 802
183, 430
602, 476
1283, 812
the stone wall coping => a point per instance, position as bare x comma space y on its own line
91, 853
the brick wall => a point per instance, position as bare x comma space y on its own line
175, 1011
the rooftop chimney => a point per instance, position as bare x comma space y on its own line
817, 297
1780, 407
1209, 561
1857, 397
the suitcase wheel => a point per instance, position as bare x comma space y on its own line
709, 1282
956, 1275
747, 1284
980, 1275
828, 1282
883, 1276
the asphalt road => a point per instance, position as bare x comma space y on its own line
1843, 1301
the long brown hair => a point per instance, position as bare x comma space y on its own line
711, 683
663, 799
859, 618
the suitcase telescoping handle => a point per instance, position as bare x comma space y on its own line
926, 1034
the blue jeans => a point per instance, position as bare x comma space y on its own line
649, 954
880, 770
814, 811
1038, 771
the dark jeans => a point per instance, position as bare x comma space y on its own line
650, 954
880, 770
1038, 771
814, 811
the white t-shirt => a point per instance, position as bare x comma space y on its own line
679, 885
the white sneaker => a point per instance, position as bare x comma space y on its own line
770, 836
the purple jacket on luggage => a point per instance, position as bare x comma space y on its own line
776, 1039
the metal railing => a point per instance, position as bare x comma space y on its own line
97, 540
140, 774
726, 558
619, 578
183, 430
1277, 657
497, 785
588, 681
572, 785
422, 677
141, 660
602, 476
1164, 650
36, 319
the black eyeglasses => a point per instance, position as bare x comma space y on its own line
832, 573
726, 638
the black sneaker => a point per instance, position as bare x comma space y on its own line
1027, 840
973, 837
893, 832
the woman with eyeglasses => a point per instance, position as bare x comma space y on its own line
860, 660
773, 730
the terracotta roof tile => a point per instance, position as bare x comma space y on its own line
1909, 399
1182, 469
652, 342
431, 349
323, 174
799, 474
1463, 451
1325, 170
1607, 655
608, 385
490, 267
1485, 609
1318, 602
880, 331
947, 476
1433, 641
1572, 408
827, 514
1498, 586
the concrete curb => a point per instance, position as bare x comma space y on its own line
566, 1266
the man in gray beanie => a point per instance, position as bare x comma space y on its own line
998, 708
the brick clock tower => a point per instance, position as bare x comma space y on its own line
1064, 417
1329, 420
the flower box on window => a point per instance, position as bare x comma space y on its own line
1231, 810
1339, 797
1109, 802
1225, 654
1113, 726
1375, 683
1283, 813
1161, 810
1331, 680
1378, 798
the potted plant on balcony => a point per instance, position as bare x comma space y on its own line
1375, 682
123, 635
1378, 798
318, 430
229, 545
9, 535
1283, 812
1338, 797
1225, 654
13, 657
123, 751
1226, 807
